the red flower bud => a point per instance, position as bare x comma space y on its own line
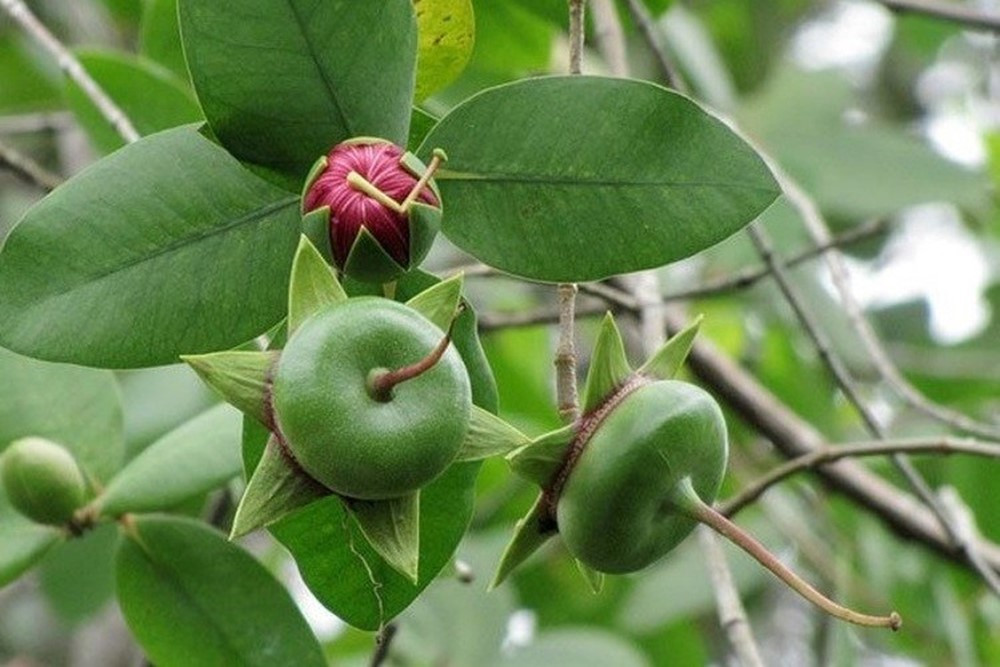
366, 183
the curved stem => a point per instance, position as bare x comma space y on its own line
383, 381
688, 502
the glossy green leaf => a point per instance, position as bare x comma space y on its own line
313, 285
609, 367
489, 436
346, 574
24, 543
392, 529
79, 408
239, 376
348, 66
439, 302
446, 31
579, 178
151, 97
530, 533
275, 490
166, 247
73, 597
192, 598
160, 37
667, 361
192, 459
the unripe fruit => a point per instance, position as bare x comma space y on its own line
42, 480
345, 433
373, 185
616, 511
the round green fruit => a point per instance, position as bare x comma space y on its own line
42, 480
340, 430
618, 509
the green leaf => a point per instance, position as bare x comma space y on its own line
609, 367
166, 247
542, 458
667, 361
312, 286
530, 533
421, 123
149, 95
446, 31
160, 37
193, 459
348, 66
579, 178
79, 408
73, 596
392, 528
24, 543
439, 302
489, 436
275, 490
240, 377
192, 598
349, 577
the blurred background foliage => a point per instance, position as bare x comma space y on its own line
886, 121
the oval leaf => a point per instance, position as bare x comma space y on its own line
192, 598
23, 544
446, 32
190, 460
348, 67
152, 97
579, 178
166, 247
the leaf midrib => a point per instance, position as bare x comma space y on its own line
531, 179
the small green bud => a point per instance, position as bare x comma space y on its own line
42, 480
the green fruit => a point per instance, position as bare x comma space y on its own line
618, 510
42, 480
343, 434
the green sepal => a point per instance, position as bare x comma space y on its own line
369, 262
667, 361
316, 227
609, 367
488, 436
276, 489
530, 533
594, 578
318, 167
392, 528
417, 168
424, 223
240, 377
313, 285
541, 459
439, 303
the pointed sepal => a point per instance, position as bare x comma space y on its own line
541, 459
609, 367
531, 532
439, 302
667, 361
313, 285
369, 262
240, 377
392, 528
316, 227
594, 578
319, 166
276, 488
488, 435
424, 223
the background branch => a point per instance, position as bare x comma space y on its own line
27, 169
964, 15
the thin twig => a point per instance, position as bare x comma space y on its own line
609, 36
71, 66
963, 15
732, 615
36, 122
846, 383
27, 169
383, 640
647, 26
943, 446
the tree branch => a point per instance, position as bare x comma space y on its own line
27, 169
943, 446
650, 33
71, 66
963, 15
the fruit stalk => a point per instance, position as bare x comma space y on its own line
687, 502
383, 381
